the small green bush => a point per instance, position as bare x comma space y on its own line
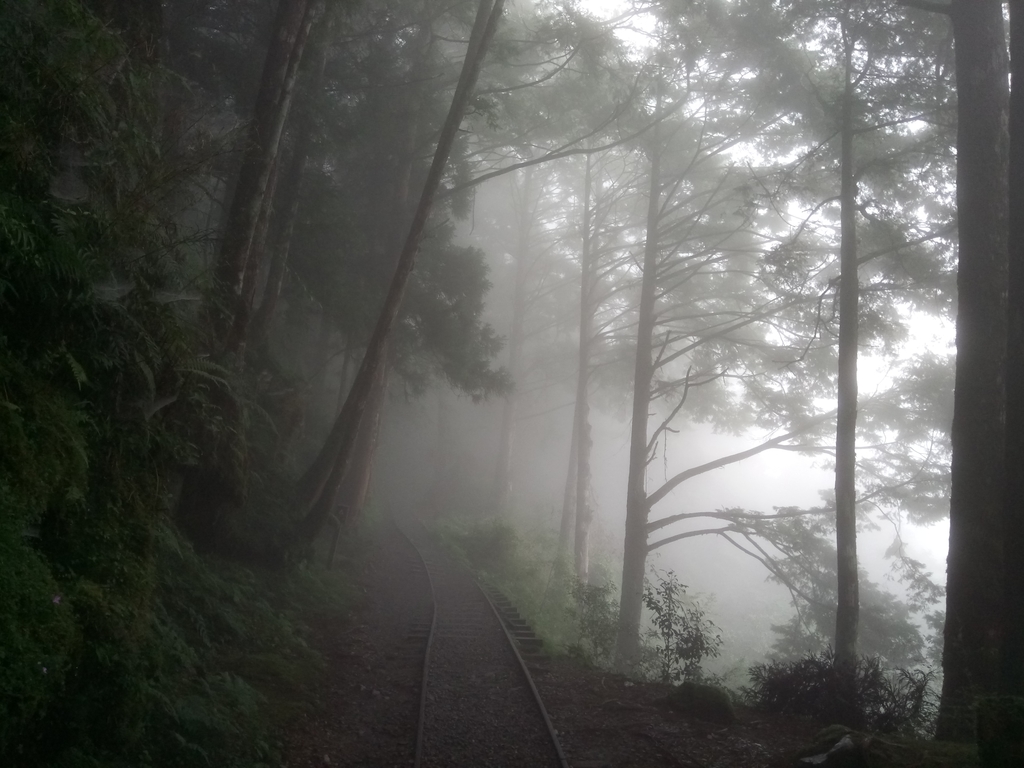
681, 636
491, 546
596, 613
866, 697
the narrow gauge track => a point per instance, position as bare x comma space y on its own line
479, 705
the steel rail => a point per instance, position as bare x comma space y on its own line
421, 720
552, 732
521, 663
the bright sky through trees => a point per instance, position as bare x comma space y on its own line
927, 333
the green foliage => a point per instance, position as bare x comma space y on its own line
79, 486
681, 635
579, 618
523, 563
37, 632
118, 644
490, 546
596, 618
808, 571
223, 641
445, 334
1001, 731
868, 696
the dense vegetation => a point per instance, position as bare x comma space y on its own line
229, 229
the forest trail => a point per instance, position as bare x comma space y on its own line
371, 693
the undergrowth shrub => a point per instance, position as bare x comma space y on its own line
866, 697
83, 445
492, 546
119, 644
681, 635
581, 618
596, 613
219, 644
522, 562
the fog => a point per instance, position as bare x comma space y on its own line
438, 450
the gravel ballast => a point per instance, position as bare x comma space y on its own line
479, 710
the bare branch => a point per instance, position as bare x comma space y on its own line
728, 515
725, 461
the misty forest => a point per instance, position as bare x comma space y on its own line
691, 330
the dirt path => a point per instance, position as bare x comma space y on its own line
371, 690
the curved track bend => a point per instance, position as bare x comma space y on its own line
479, 706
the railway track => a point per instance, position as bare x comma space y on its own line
479, 707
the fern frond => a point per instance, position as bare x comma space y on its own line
204, 369
76, 369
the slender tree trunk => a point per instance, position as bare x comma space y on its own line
325, 505
254, 265
343, 385
974, 565
1012, 652
387, 240
356, 485
502, 485
567, 526
634, 556
339, 444
584, 513
259, 329
291, 193
280, 69
440, 491
320, 359
848, 604
507, 433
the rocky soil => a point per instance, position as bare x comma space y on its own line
607, 721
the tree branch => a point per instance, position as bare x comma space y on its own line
671, 484
727, 515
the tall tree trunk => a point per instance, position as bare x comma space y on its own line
356, 485
634, 556
848, 603
974, 565
387, 241
584, 513
327, 502
290, 195
280, 69
254, 264
1012, 652
507, 432
440, 491
319, 359
502, 485
567, 523
339, 444
258, 331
